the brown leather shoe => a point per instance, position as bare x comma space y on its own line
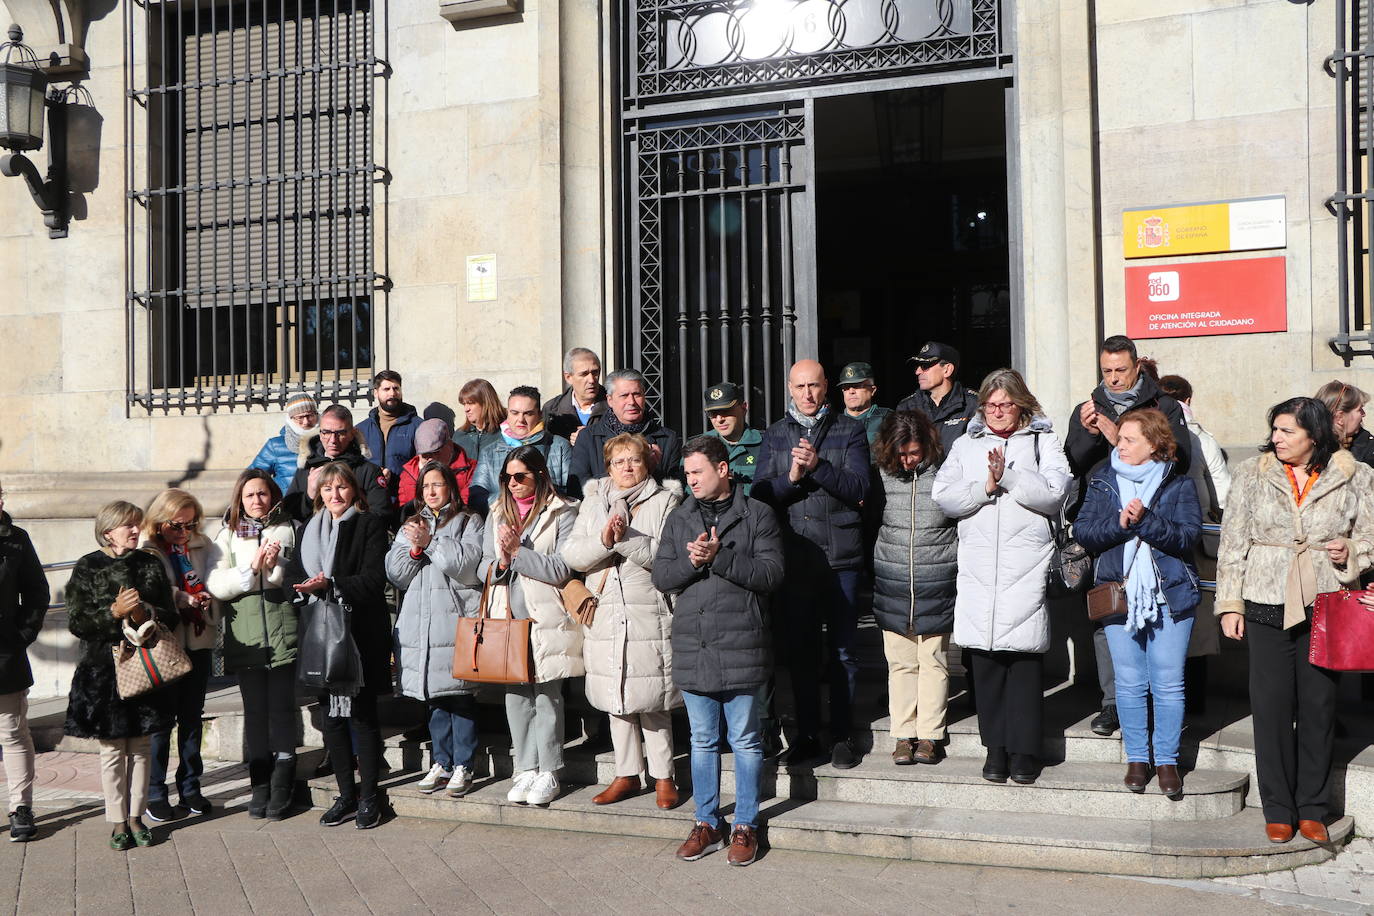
904, 754
1170, 782
621, 788
1137, 775
744, 846
665, 793
703, 839
926, 752
1278, 833
1314, 831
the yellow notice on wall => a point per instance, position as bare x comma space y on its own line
481, 277
1204, 228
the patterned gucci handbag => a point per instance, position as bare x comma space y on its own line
157, 663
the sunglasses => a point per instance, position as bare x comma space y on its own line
519, 476
180, 526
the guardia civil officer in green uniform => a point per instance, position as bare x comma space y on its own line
858, 390
727, 410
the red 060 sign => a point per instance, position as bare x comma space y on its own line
1247, 296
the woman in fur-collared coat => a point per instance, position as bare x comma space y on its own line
1299, 521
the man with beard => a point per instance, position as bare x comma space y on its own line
339, 441
814, 471
628, 414
389, 428
582, 401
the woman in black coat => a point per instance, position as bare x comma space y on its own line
23, 602
342, 557
112, 595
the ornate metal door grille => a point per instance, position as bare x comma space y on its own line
681, 48
1352, 64
712, 269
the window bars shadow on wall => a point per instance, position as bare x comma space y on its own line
712, 273
1352, 64
250, 176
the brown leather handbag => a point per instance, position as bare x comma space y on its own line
492, 650
1106, 600
581, 602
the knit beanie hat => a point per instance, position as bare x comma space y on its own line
300, 403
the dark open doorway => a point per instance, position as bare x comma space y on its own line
911, 230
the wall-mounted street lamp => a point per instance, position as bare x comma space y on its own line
23, 102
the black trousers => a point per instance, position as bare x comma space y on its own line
269, 712
367, 733
1293, 710
1010, 699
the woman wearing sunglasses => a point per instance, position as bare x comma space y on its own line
522, 560
171, 532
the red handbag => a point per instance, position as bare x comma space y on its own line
1342, 632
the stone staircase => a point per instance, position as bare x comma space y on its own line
1076, 817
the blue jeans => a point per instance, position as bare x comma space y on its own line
190, 708
742, 727
1149, 662
453, 730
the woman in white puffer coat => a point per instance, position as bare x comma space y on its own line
1004, 480
628, 650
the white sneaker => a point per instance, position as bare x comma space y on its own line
436, 777
520, 787
461, 781
543, 791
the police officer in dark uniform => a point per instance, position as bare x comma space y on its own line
728, 414
858, 390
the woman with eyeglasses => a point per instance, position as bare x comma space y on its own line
171, 532
255, 545
523, 566
627, 650
118, 593
1004, 480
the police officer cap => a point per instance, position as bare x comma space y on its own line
723, 396
935, 352
856, 374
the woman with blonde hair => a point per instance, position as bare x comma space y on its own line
628, 649
522, 561
171, 532
483, 414
116, 593
342, 558
1004, 480
1346, 403
255, 545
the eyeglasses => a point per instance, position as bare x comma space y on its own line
520, 476
333, 433
628, 462
1000, 407
180, 526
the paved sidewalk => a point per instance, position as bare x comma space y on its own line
230, 864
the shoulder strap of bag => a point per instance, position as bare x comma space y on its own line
1058, 527
483, 605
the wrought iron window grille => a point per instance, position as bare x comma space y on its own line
251, 173
1352, 66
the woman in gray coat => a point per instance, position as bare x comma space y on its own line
915, 563
434, 560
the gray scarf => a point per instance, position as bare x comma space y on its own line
1124, 400
803, 419
618, 502
318, 543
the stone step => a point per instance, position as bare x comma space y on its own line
1233, 845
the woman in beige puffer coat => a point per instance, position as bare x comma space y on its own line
1299, 521
627, 650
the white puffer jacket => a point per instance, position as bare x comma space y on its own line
529, 588
628, 648
1004, 539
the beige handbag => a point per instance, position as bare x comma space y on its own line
580, 602
160, 661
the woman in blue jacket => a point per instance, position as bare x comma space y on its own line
1142, 520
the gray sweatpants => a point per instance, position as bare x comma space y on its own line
535, 715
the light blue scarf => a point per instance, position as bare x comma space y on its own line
1144, 597
810, 422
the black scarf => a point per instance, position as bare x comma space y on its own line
617, 428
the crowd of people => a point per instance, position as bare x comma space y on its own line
710, 558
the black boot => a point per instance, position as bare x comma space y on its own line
259, 777
283, 785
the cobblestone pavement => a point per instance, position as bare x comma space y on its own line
230, 864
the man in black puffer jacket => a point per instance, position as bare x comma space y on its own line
940, 396
628, 414
814, 470
720, 555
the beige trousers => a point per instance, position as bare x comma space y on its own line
917, 684
124, 772
17, 744
638, 735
